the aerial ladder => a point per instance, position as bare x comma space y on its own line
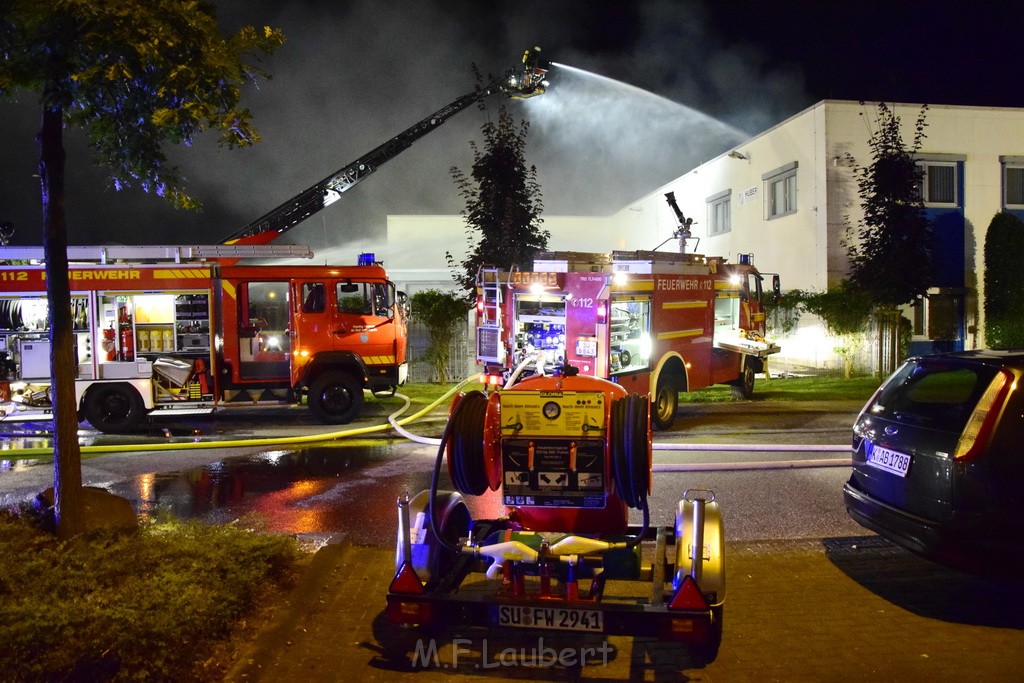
520, 82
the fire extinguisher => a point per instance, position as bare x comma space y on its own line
124, 319
127, 344
109, 347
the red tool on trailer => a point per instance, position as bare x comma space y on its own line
570, 455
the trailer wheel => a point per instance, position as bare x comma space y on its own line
453, 525
743, 388
114, 408
432, 560
335, 397
666, 402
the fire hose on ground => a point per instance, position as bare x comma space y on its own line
398, 425
274, 441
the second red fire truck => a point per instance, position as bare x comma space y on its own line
657, 323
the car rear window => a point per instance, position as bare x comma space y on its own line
936, 394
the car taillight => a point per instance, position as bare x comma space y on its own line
983, 418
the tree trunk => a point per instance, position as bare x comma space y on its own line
67, 458
887, 320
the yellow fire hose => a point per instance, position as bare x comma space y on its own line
274, 441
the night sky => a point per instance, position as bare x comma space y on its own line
353, 74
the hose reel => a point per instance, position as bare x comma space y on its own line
469, 460
466, 456
630, 450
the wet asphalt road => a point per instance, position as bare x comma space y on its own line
350, 486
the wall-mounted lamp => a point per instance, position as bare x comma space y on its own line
738, 155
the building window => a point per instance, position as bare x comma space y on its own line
938, 183
1013, 184
780, 191
720, 213
935, 316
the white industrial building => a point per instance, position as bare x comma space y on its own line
785, 195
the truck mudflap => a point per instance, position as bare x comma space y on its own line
647, 604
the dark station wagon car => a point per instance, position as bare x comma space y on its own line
938, 460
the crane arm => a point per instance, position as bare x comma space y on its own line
521, 82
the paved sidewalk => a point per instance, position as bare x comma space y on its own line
855, 609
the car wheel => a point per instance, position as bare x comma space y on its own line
743, 388
625, 357
114, 408
335, 397
665, 403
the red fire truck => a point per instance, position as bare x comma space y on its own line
168, 329
655, 322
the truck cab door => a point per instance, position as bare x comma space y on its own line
312, 323
264, 344
362, 320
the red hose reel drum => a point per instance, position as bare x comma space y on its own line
570, 453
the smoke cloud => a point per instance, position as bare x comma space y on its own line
353, 74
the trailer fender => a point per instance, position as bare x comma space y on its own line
429, 558
713, 566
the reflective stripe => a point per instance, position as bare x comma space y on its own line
180, 274
681, 333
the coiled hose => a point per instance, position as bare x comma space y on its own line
631, 457
464, 431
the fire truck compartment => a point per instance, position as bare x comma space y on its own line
541, 326
134, 370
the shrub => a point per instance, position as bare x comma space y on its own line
124, 605
441, 313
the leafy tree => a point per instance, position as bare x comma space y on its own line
133, 74
891, 255
846, 311
442, 313
1004, 282
503, 202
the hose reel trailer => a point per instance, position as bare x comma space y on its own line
568, 456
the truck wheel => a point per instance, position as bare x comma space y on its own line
743, 388
335, 397
665, 403
114, 408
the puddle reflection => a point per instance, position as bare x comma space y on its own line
349, 488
